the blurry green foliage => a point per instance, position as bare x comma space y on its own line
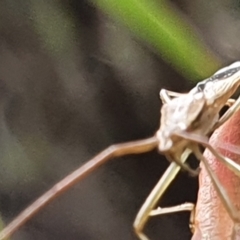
54, 26
159, 25
162, 27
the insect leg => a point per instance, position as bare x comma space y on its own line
229, 206
233, 166
151, 201
167, 210
165, 95
179, 208
184, 166
235, 107
230, 102
232, 211
136, 147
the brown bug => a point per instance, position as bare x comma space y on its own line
186, 120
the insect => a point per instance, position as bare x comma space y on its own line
211, 218
186, 120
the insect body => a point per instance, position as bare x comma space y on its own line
219, 88
185, 122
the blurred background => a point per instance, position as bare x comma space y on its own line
78, 76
